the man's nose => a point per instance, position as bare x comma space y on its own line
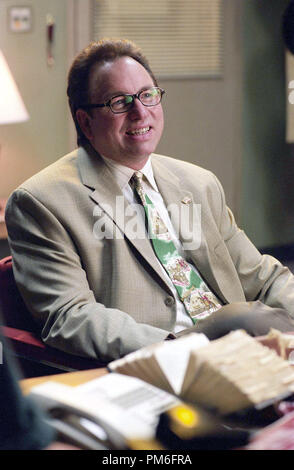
138, 110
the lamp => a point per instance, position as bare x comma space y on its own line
12, 110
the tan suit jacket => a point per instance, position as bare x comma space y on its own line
107, 297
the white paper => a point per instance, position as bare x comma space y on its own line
127, 404
131, 395
173, 357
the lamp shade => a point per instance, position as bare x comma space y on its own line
12, 108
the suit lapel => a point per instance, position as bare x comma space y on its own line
185, 211
108, 195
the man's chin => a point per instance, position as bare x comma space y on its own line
136, 161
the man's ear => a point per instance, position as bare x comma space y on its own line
84, 121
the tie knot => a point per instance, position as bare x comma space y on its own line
138, 176
136, 183
136, 180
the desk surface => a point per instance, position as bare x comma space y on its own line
70, 378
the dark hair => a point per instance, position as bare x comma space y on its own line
105, 50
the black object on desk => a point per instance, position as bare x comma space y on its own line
191, 428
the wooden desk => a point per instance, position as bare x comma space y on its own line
69, 378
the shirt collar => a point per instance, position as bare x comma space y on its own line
123, 174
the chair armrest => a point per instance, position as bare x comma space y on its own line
26, 344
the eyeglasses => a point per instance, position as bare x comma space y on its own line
122, 103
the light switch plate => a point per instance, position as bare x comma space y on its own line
20, 19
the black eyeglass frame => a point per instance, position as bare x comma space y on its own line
136, 95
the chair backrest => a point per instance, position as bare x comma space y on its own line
13, 308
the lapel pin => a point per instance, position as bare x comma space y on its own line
186, 200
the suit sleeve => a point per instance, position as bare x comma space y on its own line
54, 286
262, 277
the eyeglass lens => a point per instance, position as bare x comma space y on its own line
150, 97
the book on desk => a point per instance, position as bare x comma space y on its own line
167, 382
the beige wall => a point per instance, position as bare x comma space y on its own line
235, 126
203, 117
30, 146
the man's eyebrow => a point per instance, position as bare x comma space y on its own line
116, 93
108, 96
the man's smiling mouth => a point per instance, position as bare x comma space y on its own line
141, 131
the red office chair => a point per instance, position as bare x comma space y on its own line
34, 356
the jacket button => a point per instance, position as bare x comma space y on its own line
169, 301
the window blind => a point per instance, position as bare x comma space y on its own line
180, 38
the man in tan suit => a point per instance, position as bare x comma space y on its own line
84, 264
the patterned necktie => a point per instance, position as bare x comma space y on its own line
198, 300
